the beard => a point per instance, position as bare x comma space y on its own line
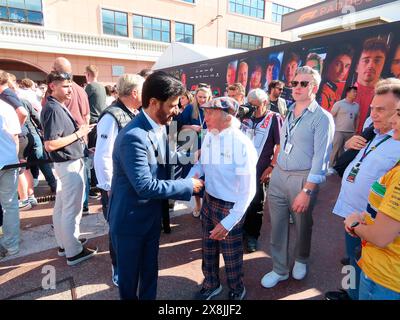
163, 117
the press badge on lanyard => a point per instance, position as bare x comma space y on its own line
354, 171
288, 147
289, 132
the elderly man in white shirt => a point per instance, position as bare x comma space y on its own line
111, 121
228, 162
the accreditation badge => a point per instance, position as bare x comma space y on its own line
353, 173
288, 148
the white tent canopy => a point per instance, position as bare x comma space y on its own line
182, 53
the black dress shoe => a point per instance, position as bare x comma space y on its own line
337, 295
167, 229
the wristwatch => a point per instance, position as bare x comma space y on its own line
308, 192
354, 224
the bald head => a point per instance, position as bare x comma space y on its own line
62, 64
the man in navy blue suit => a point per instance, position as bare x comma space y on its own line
139, 186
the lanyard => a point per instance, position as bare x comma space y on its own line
290, 128
201, 120
256, 123
365, 154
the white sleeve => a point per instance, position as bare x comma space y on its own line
107, 131
11, 120
246, 181
198, 168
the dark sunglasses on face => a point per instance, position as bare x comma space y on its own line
303, 84
279, 89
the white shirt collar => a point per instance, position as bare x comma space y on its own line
153, 124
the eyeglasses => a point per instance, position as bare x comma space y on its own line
279, 89
303, 84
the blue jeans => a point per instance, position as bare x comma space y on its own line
370, 290
353, 249
9, 203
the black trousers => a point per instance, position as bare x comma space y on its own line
92, 137
254, 214
104, 204
165, 216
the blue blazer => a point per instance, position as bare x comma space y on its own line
138, 184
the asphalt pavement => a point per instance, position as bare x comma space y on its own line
37, 272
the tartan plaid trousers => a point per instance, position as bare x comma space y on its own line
212, 212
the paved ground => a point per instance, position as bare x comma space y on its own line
22, 276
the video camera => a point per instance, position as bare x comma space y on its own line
245, 111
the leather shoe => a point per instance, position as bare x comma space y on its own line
337, 295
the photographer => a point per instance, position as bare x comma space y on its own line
262, 127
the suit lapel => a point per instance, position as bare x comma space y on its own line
153, 143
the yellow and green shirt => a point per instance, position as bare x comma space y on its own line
382, 265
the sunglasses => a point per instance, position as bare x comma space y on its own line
62, 76
279, 89
303, 84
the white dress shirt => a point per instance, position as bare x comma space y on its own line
107, 131
228, 160
158, 135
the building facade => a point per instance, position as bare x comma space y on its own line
122, 36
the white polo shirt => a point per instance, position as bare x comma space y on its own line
9, 126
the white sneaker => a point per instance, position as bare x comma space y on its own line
299, 270
271, 279
32, 200
24, 205
196, 213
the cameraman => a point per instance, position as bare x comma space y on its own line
264, 130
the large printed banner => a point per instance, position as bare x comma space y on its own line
359, 58
326, 10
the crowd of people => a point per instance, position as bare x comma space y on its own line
148, 140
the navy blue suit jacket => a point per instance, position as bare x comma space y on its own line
138, 183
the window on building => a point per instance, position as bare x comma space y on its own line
151, 28
278, 11
184, 32
251, 8
115, 22
237, 40
276, 42
22, 11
